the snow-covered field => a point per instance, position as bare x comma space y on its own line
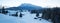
27, 18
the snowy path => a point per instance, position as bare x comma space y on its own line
27, 18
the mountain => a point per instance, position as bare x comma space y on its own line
25, 6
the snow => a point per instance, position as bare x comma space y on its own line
7, 19
27, 18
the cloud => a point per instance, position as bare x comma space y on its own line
43, 3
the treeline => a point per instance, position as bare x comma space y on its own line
4, 11
50, 13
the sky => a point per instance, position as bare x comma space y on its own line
43, 3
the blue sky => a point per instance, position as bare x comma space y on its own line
43, 3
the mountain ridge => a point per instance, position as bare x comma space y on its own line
25, 6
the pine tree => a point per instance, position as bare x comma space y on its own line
21, 15
4, 11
